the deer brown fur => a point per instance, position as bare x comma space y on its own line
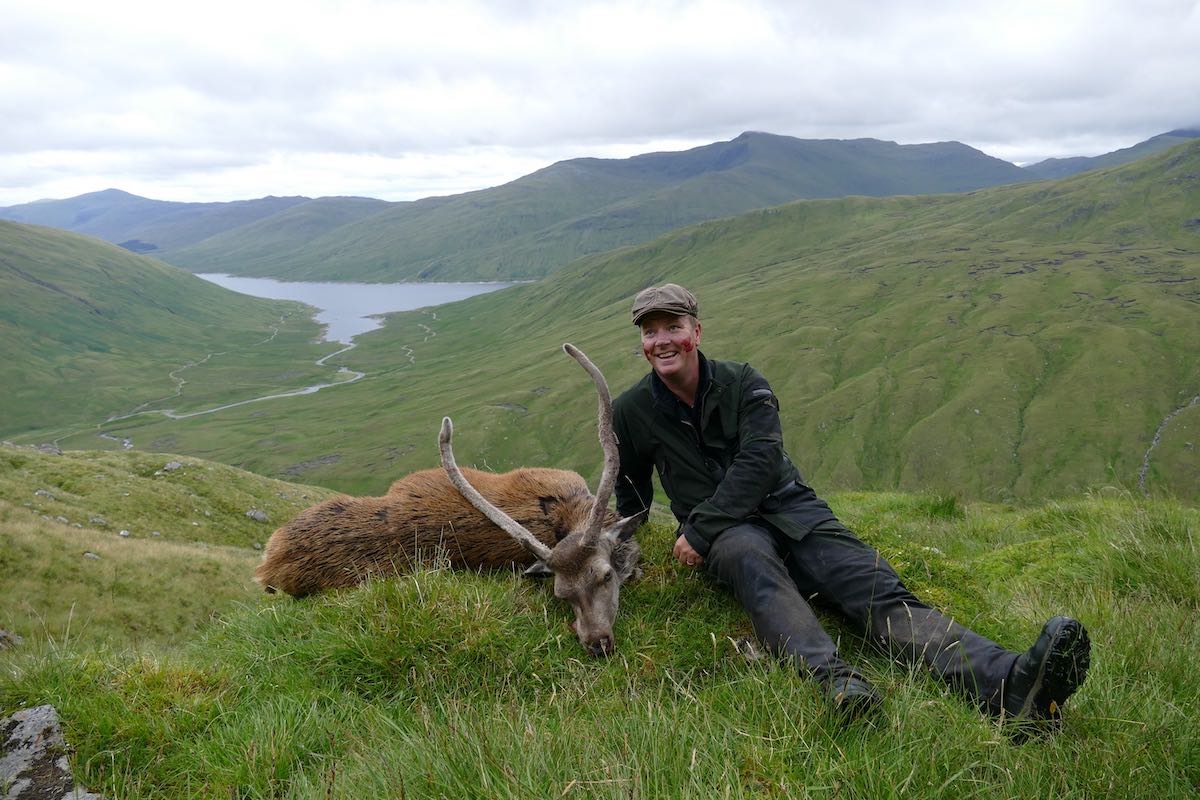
343, 540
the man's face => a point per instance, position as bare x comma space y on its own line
670, 343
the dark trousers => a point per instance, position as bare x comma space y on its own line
774, 577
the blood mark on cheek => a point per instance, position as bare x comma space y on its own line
682, 342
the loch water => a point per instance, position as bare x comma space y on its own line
347, 309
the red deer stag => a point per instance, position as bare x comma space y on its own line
541, 518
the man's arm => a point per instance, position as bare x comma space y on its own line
754, 471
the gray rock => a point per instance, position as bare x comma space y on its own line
91, 555
8, 639
33, 758
51, 448
44, 493
63, 520
171, 466
124, 534
257, 515
96, 519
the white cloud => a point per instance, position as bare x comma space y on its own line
399, 100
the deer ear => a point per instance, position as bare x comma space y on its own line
538, 569
623, 529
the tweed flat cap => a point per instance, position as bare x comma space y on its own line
670, 298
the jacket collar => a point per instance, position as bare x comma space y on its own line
666, 401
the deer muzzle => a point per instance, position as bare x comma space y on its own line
597, 644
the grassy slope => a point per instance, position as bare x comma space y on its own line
1022, 341
445, 684
536, 224
295, 227
88, 330
190, 549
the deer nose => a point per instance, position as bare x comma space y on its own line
602, 646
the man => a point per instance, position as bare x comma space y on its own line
711, 430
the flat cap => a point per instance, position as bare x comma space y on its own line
670, 298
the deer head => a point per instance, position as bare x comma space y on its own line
591, 562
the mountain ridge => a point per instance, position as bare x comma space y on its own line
539, 222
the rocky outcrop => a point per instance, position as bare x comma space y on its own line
33, 758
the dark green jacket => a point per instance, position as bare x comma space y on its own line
720, 464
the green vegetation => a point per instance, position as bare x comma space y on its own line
1017, 342
89, 331
189, 547
445, 684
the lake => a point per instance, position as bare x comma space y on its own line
347, 308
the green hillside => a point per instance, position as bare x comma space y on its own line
89, 331
291, 229
1016, 342
536, 224
175, 679
188, 551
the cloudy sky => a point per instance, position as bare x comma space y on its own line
399, 100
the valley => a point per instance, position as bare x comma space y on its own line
1007, 344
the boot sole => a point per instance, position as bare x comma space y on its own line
1060, 674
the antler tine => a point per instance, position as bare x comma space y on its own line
608, 441
510, 525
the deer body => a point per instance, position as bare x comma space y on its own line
342, 541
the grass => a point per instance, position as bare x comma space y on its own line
188, 549
451, 684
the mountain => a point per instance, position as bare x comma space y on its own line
144, 225
523, 229
534, 225
89, 330
289, 230
1023, 341
1062, 167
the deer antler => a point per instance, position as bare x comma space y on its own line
510, 525
608, 441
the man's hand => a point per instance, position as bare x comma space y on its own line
684, 553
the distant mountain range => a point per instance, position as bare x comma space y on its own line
536, 224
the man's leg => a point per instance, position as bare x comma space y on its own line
833, 566
749, 560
